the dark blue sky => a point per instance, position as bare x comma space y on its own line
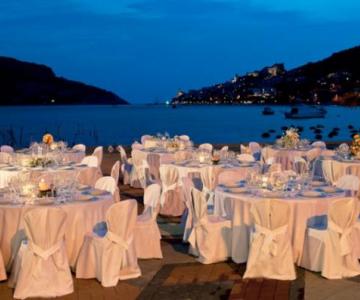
145, 50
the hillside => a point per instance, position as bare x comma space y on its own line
24, 83
335, 79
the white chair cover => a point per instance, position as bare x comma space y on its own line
184, 138
224, 149
333, 251
99, 152
153, 161
349, 182
319, 144
41, 267
147, 234
6, 149
245, 157
244, 149
115, 171
207, 147
112, 257
79, 147
144, 138
90, 161
254, 147
136, 146
171, 199
328, 172
5, 158
2, 266
208, 179
140, 171
210, 237
107, 183
270, 250
300, 166
126, 165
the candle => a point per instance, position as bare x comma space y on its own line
201, 158
43, 186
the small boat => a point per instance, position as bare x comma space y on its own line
305, 112
267, 111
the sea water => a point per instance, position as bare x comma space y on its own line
112, 125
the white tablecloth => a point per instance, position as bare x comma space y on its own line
338, 168
185, 169
237, 208
284, 156
84, 174
67, 155
81, 218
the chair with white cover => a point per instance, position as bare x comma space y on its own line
140, 175
245, 157
208, 179
244, 149
299, 165
79, 147
319, 144
5, 158
184, 138
349, 183
115, 171
206, 147
99, 152
210, 237
153, 161
112, 256
136, 146
255, 149
41, 267
90, 161
171, 199
271, 165
270, 253
147, 235
107, 183
144, 138
328, 170
331, 250
2, 266
6, 149
126, 165
224, 149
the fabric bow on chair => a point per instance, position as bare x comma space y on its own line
270, 245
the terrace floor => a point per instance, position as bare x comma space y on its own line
179, 276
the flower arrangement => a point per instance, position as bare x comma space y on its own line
290, 138
355, 146
40, 162
48, 139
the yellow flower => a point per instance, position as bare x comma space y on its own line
48, 139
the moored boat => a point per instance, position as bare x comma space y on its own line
267, 111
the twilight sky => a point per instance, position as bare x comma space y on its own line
146, 50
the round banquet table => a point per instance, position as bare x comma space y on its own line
236, 206
84, 174
187, 168
69, 155
81, 218
285, 156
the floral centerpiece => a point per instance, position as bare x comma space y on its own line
355, 146
290, 139
40, 162
48, 139
174, 145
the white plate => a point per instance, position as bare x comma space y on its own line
237, 190
330, 189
